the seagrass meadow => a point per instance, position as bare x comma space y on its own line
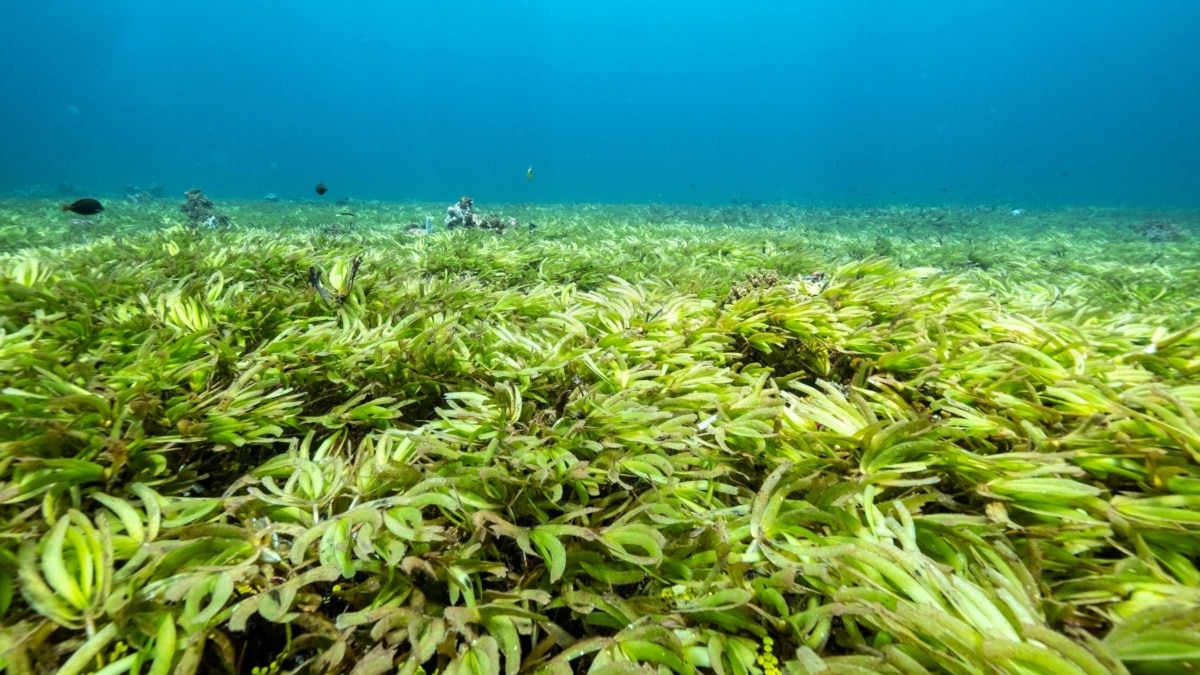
743, 440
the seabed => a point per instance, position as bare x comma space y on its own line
738, 440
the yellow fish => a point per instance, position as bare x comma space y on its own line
529, 173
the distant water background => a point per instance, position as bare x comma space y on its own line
1024, 102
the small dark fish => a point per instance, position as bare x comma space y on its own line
350, 283
321, 189
314, 280
84, 207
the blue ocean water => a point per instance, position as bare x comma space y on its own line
857, 102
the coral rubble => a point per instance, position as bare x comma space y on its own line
462, 214
201, 212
